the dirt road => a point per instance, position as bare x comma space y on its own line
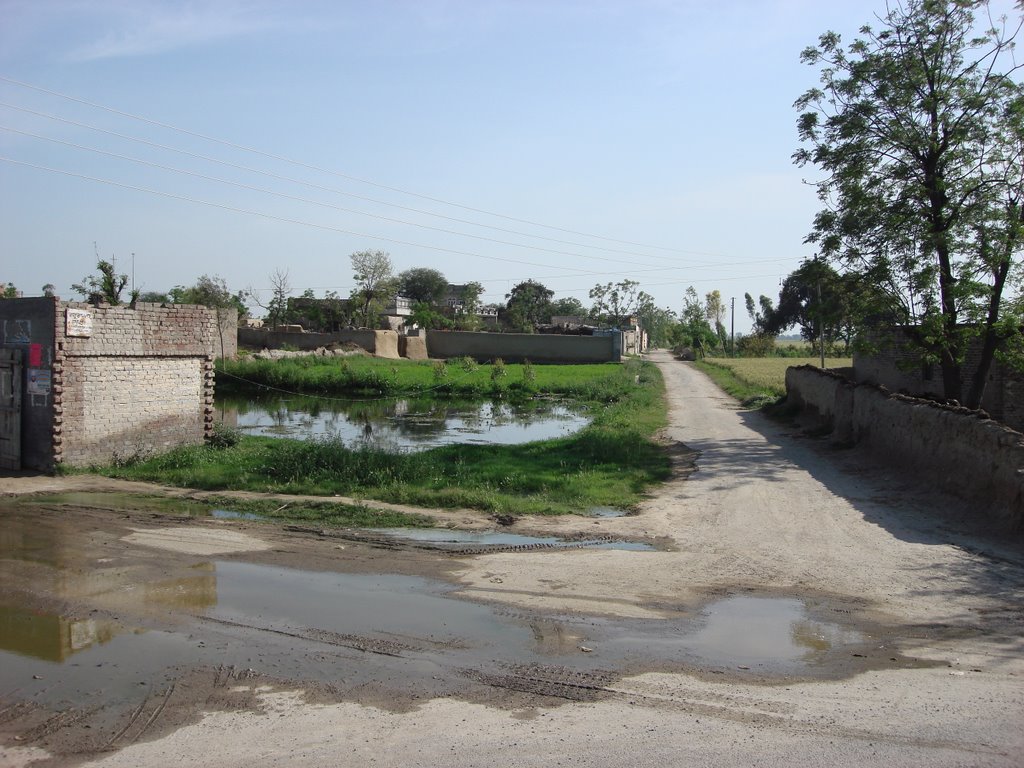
802, 607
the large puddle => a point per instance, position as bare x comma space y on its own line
90, 614
401, 424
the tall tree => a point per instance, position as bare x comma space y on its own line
919, 130
106, 286
375, 284
615, 303
527, 305
422, 284
714, 309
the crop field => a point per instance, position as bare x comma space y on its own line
768, 374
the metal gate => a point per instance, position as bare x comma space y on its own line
10, 408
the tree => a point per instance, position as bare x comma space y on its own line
49, 290
375, 284
107, 286
616, 303
714, 309
422, 284
568, 306
276, 308
467, 317
919, 130
695, 330
213, 292
528, 305
8, 291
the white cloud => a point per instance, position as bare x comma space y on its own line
153, 27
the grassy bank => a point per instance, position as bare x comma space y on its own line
610, 463
370, 376
758, 381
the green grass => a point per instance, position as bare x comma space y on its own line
610, 463
364, 376
758, 381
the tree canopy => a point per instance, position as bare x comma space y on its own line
422, 284
375, 284
528, 305
106, 286
918, 128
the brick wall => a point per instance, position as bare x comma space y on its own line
139, 383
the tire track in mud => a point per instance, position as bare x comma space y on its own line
140, 720
390, 543
355, 642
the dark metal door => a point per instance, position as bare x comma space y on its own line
10, 408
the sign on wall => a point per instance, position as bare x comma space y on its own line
78, 322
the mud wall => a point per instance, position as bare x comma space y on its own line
516, 347
511, 347
131, 381
957, 449
895, 364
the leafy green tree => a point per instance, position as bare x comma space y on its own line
106, 286
615, 303
422, 284
714, 309
695, 330
49, 290
425, 315
375, 285
527, 306
661, 324
155, 297
210, 291
568, 306
919, 130
467, 317
8, 291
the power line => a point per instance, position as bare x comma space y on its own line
338, 174
332, 190
296, 198
285, 219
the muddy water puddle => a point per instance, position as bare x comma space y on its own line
89, 618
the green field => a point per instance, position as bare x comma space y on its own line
759, 380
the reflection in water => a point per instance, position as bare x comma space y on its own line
39, 553
757, 629
49, 637
407, 424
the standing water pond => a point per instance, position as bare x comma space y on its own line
401, 424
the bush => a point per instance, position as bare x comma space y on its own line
224, 436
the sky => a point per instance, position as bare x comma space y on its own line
567, 141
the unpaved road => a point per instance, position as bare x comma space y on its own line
804, 608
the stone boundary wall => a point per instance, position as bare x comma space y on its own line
141, 381
957, 449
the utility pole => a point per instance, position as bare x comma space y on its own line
732, 328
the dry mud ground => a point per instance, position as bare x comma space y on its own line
804, 607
